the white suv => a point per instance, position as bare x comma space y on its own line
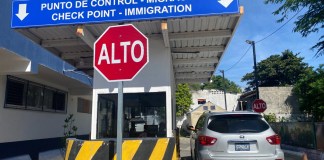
234, 135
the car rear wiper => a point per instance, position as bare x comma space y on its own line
247, 130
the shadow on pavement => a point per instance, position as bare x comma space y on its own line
186, 158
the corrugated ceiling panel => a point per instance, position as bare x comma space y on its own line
211, 23
197, 24
73, 49
183, 26
204, 23
175, 26
98, 29
51, 33
225, 22
196, 42
190, 25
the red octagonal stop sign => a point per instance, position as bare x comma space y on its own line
120, 53
259, 105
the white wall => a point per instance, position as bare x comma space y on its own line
82, 120
154, 77
280, 100
216, 97
20, 125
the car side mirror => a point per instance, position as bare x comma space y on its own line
191, 128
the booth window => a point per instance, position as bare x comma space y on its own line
29, 95
48, 102
34, 98
15, 92
144, 115
205, 108
212, 107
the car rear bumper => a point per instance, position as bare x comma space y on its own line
205, 156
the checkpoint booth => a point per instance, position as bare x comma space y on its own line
186, 42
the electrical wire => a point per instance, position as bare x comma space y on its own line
279, 27
237, 61
266, 37
82, 74
90, 79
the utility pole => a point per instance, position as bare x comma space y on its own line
224, 89
255, 69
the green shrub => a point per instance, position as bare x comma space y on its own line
271, 117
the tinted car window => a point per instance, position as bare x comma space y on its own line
237, 123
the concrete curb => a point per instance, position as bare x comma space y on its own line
292, 155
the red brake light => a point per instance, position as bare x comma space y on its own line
275, 139
205, 140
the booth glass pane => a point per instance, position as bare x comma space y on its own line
144, 115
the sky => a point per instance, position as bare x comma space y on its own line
256, 23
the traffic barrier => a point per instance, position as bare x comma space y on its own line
55, 154
132, 149
292, 155
22, 157
176, 135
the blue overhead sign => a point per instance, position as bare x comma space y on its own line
37, 13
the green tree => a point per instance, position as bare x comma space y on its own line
183, 99
310, 92
218, 83
277, 70
312, 21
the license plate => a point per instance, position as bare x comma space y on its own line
242, 147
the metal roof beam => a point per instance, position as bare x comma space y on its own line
195, 69
86, 35
192, 75
165, 34
198, 49
203, 80
195, 61
200, 34
76, 55
84, 63
62, 42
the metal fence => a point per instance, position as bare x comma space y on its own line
302, 134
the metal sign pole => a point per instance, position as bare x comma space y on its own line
120, 119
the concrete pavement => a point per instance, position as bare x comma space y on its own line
185, 148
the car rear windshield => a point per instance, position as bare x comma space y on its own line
237, 123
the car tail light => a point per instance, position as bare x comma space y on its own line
205, 140
275, 139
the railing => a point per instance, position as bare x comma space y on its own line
302, 134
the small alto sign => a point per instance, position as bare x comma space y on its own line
259, 105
